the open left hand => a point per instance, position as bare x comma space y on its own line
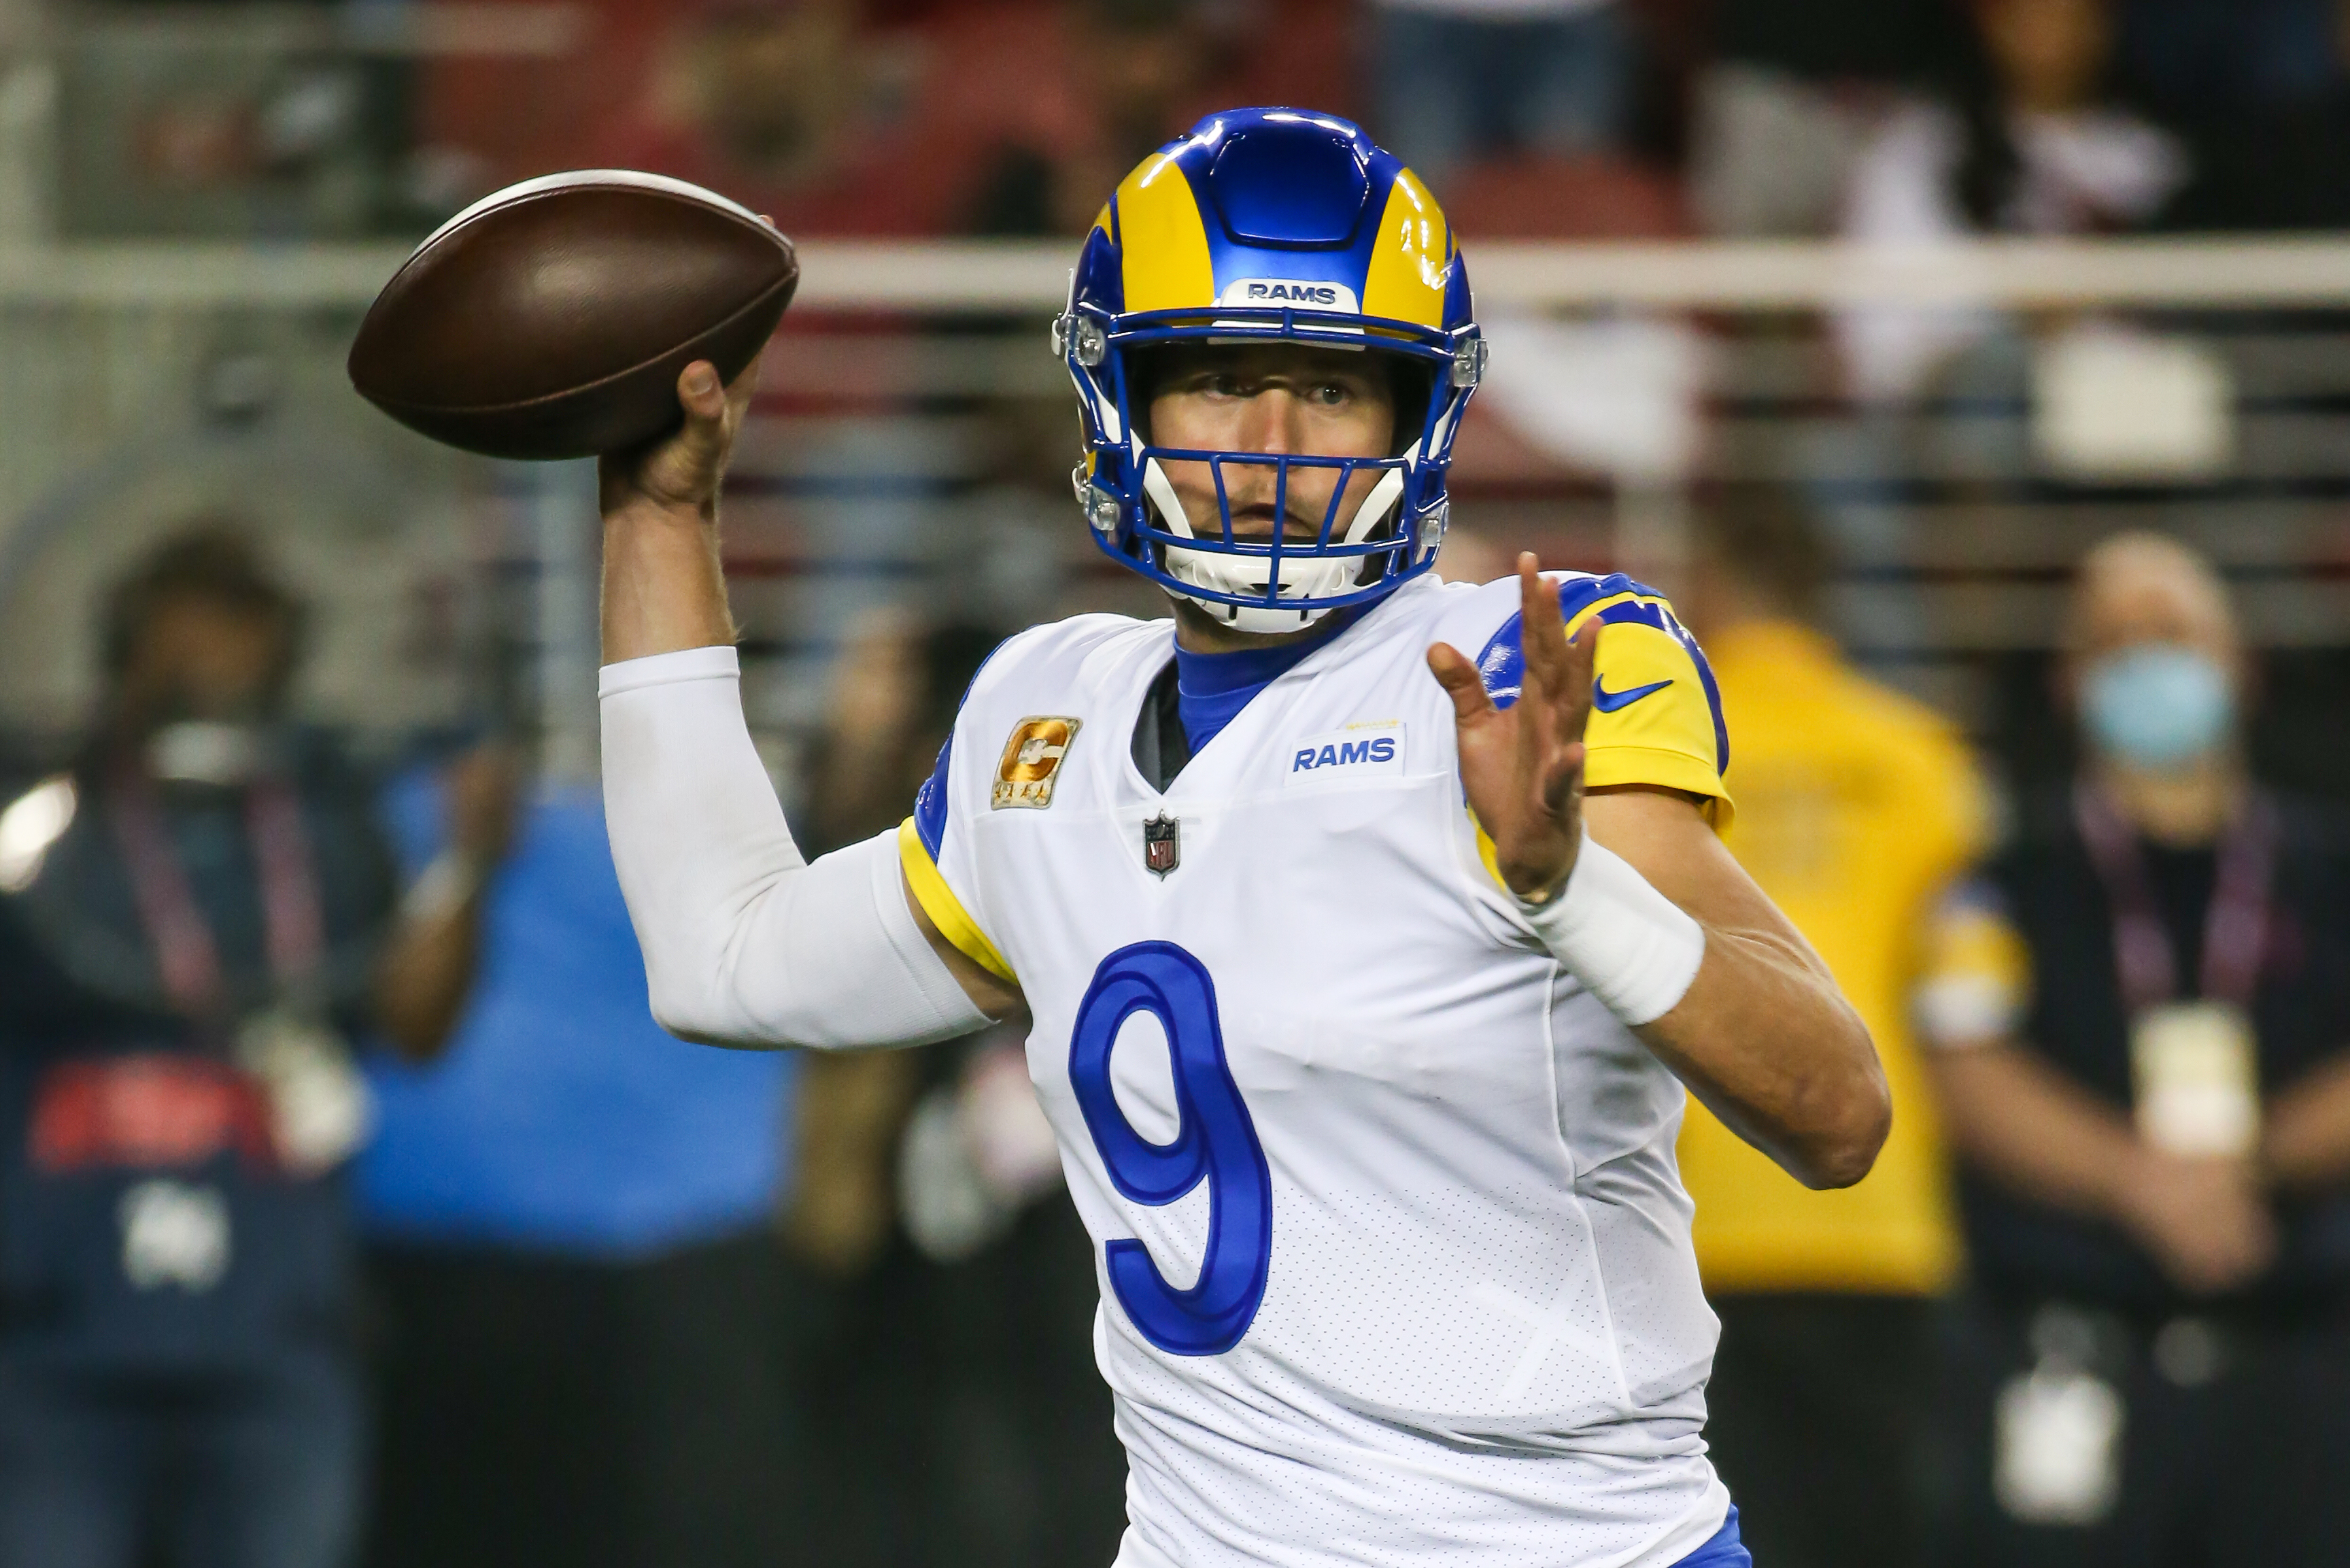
1523, 767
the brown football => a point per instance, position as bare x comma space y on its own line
551, 320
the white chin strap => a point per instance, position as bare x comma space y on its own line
1302, 577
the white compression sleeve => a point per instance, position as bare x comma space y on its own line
1632, 946
745, 943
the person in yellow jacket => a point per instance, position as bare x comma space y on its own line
1856, 807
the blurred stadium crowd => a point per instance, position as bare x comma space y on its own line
1551, 118
352, 1206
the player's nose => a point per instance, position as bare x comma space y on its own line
1273, 423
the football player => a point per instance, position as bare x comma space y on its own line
1368, 927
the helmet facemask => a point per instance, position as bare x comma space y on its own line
1280, 568
1285, 582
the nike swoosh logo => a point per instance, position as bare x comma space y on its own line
1609, 701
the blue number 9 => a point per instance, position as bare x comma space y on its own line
1215, 1142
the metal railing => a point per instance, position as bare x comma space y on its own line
907, 443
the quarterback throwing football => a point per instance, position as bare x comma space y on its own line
1369, 927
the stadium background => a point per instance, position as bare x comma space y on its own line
197, 201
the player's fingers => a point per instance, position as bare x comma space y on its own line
1541, 637
1558, 786
1581, 657
697, 451
1459, 678
682, 469
700, 393
1542, 630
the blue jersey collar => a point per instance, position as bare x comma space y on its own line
1211, 688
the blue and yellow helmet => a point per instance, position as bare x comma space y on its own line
1270, 223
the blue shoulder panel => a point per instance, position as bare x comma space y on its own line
930, 803
1502, 662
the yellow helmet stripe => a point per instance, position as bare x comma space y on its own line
1164, 244
1411, 256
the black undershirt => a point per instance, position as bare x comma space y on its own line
1161, 749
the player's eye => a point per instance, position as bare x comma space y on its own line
1332, 394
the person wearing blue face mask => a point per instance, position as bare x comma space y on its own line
2157, 707
2141, 1006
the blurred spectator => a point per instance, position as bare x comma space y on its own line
582, 1309
2039, 149
202, 126
869, 1383
199, 917
1795, 88
802, 110
1855, 808
1147, 65
968, 1421
1465, 79
830, 124
2141, 1010
1913, 127
889, 117
869, 760
2044, 151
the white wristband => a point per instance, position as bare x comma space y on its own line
1631, 947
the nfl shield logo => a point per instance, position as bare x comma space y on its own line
1162, 848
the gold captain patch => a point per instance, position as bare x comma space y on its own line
1032, 758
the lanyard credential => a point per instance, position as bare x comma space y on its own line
2194, 1065
2235, 930
185, 951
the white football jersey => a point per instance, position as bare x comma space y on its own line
1393, 1255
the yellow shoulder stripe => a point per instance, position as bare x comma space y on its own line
1667, 737
946, 910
